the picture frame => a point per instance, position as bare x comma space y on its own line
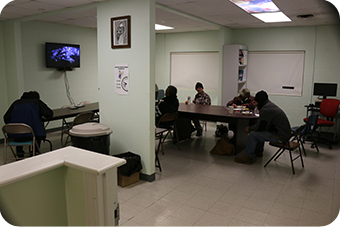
121, 32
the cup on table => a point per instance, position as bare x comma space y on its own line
231, 109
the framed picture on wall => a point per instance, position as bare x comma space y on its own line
121, 32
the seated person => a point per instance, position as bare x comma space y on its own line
29, 109
273, 125
243, 99
200, 98
168, 104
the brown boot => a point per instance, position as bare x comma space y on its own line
245, 159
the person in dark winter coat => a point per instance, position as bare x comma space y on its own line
168, 104
29, 109
273, 125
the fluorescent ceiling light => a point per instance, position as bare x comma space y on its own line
256, 6
272, 17
162, 27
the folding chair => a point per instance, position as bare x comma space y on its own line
168, 122
15, 130
290, 146
79, 119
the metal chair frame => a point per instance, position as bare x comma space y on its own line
170, 118
18, 128
290, 146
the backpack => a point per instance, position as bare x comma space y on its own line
223, 147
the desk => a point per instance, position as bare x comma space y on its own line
237, 121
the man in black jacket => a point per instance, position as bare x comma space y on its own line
168, 104
272, 125
29, 109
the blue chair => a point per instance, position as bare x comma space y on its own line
160, 95
307, 130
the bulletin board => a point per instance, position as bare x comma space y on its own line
187, 68
276, 72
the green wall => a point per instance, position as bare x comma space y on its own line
321, 44
37, 201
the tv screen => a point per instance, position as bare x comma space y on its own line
62, 56
325, 89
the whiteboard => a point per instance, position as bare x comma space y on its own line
187, 68
279, 72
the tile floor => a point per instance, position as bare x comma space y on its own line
196, 188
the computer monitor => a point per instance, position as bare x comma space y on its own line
325, 89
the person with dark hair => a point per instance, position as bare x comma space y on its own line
243, 99
201, 98
29, 109
168, 104
272, 125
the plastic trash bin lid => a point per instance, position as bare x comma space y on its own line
90, 130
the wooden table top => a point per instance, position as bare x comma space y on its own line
212, 110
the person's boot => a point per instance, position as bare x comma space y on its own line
199, 132
258, 153
245, 159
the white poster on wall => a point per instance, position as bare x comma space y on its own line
187, 68
121, 73
276, 72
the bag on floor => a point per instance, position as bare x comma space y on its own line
223, 147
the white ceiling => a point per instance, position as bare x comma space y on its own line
184, 15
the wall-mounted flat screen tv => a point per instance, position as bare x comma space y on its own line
62, 56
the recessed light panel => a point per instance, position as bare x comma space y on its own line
162, 27
256, 6
272, 17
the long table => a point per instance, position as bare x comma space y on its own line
237, 121
63, 113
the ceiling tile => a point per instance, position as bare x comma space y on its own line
38, 7
68, 3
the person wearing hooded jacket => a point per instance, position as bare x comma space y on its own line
168, 104
272, 125
29, 109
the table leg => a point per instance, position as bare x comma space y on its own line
240, 136
183, 128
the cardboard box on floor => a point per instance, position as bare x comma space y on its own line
125, 181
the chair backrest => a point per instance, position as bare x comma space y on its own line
168, 117
311, 124
329, 107
160, 94
83, 118
17, 128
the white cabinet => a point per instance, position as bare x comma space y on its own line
234, 71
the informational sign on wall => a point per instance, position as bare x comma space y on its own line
121, 73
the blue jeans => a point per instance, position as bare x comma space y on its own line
255, 141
